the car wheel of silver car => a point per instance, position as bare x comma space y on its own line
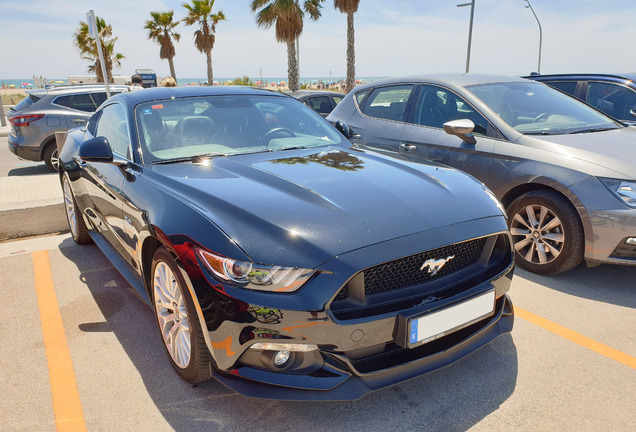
546, 232
51, 158
73, 216
178, 321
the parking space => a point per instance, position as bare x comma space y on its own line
541, 377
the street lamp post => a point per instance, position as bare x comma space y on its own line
470, 31
540, 34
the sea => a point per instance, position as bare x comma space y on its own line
28, 82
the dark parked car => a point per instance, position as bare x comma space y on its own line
43, 112
565, 172
276, 257
615, 95
323, 102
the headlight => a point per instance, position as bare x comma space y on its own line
624, 189
254, 276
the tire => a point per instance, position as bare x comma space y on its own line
51, 157
73, 216
546, 232
177, 320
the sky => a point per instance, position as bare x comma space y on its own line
393, 38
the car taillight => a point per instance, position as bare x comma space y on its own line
25, 120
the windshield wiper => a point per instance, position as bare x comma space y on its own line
193, 159
592, 130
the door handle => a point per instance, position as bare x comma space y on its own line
356, 137
78, 120
408, 147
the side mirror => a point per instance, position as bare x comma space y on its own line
98, 150
462, 128
344, 129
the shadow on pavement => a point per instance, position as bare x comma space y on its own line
451, 399
29, 170
607, 283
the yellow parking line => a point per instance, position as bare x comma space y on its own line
577, 338
67, 406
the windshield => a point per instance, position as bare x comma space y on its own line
536, 109
182, 128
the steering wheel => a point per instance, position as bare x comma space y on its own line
276, 131
542, 116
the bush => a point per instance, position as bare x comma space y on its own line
245, 81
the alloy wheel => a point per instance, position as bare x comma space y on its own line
537, 233
69, 205
172, 315
55, 160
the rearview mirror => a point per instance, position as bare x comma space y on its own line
98, 150
462, 128
344, 129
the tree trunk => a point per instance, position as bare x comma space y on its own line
292, 67
172, 73
351, 55
210, 77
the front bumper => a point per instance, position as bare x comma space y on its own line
608, 224
340, 380
361, 345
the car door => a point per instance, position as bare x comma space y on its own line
423, 137
379, 121
103, 181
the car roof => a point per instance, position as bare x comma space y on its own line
161, 93
72, 89
299, 93
451, 80
609, 77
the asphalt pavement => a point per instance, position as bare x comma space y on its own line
535, 379
568, 365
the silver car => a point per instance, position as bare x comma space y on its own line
43, 112
565, 172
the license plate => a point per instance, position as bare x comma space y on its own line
435, 325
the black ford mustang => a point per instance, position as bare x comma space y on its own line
279, 258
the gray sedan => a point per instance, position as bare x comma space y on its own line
565, 172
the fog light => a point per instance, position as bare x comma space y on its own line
281, 357
631, 241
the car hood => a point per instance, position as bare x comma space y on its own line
303, 207
607, 153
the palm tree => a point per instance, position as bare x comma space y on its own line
88, 48
161, 29
287, 16
349, 7
200, 12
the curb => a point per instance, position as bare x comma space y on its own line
32, 221
30, 206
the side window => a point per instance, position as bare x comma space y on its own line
320, 104
63, 101
568, 87
361, 96
112, 124
83, 102
437, 106
612, 99
388, 102
337, 100
100, 98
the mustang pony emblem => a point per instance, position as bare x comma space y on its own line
435, 265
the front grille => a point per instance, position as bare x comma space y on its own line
407, 272
403, 283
